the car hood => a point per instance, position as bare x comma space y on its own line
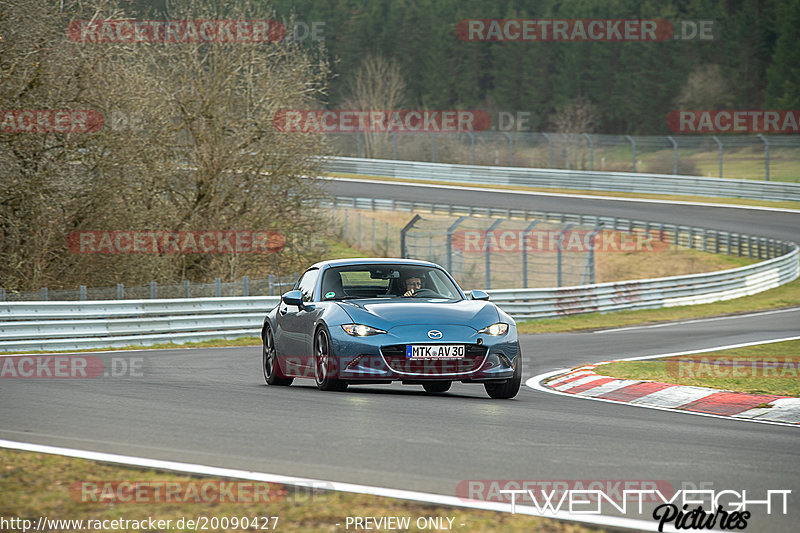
388, 314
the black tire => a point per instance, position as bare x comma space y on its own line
507, 389
437, 387
269, 361
325, 367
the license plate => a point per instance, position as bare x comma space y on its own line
435, 351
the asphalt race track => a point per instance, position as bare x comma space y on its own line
210, 406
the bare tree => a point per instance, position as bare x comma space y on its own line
188, 144
378, 85
575, 118
705, 88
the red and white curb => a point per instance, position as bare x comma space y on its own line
584, 382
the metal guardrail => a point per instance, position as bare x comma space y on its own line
76, 325
568, 179
44, 326
650, 293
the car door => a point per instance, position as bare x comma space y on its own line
293, 338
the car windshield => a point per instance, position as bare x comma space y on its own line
387, 281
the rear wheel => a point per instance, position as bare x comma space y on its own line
325, 367
508, 389
269, 361
437, 387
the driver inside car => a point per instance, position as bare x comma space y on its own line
412, 285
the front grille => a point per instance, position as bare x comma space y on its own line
395, 356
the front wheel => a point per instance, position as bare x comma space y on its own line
437, 387
269, 362
325, 367
508, 389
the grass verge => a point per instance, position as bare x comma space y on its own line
762, 369
35, 485
785, 296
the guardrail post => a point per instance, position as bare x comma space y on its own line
82, 290
2, 295
271, 284
187, 289
433, 148
245, 287
43, 294
394, 144
766, 156
449, 246
120, 291
560, 243
633, 148
510, 149
489, 252
153, 289
549, 150
525, 233
217, 288
674, 155
471, 146
704, 236
358, 143
591, 151
719, 149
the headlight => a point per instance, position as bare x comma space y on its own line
495, 329
360, 330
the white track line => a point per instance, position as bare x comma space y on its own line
563, 195
535, 382
696, 320
437, 499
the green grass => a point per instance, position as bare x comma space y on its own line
710, 369
787, 295
35, 485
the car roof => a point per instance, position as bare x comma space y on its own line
372, 261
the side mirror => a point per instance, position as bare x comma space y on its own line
293, 298
479, 295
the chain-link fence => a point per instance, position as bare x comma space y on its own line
770, 157
355, 233
269, 286
501, 253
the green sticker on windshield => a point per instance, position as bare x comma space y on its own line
330, 294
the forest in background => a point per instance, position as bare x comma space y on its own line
751, 63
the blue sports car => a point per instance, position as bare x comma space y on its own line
369, 321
